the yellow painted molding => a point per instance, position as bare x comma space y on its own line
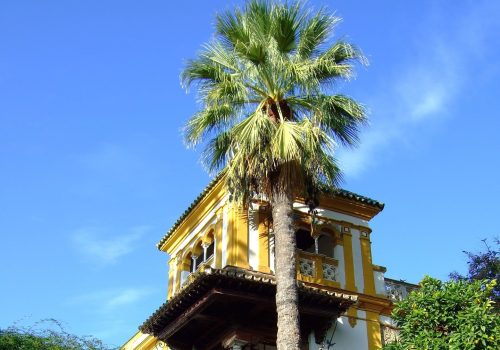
218, 244
241, 234
350, 282
303, 220
375, 303
171, 273
373, 330
346, 206
263, 232
366, 257
317, 279
135, 342
352, 315
379, 268
195, 216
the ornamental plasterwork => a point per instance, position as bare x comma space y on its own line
306, 267
329, 272
389, 334
396, 291
160, 345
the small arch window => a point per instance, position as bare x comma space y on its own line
325, 245
304, 240
210, 250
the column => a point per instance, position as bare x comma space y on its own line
264, 258
366, 255
240, 234
373, 330
348, 260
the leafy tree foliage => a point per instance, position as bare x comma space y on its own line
52, 338
454, 315
483, 265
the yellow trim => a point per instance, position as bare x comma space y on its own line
379, 268
218, 240
182, 265
264, 258
373, 330
230, 260
171, 273
304, 219
352, 315
147, 343
210, 231
346, 206
195, 216
318, 260
240, 248
350, 282
366, 257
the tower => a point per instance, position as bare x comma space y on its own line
221, 286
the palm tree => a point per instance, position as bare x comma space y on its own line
270, 120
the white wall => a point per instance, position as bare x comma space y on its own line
331, 215
253, 236
379, 282
345, 337
338, 253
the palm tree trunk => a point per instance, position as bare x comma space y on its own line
288, 337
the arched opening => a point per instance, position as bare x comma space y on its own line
210, 250
325, 245
196, 257
304, 240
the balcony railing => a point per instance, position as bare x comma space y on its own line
317, 268
397, 290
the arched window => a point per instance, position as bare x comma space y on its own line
210, 250
304, 240
325, 244
196, 257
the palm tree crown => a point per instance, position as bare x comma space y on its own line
269, 112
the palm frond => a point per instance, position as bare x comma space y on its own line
287, 142
314, 32
284, 24
215, 118
218, 152
265, 56
341, 117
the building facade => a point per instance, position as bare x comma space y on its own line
221, 286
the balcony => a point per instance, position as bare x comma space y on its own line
317, 269
397, 290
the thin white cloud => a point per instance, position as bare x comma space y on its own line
108, 301
425, 91
95, 244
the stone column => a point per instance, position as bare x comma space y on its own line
205, 246
194, 257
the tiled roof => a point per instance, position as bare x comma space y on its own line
188, 210
207, 278
358, 198
336, 192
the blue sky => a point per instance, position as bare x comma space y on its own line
93, 169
